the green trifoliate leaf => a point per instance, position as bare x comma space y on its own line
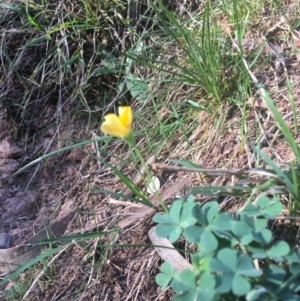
245, 267
193, 233
175, 211
163, 279
208, 241
279, 248
240, 286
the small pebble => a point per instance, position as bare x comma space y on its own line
4, 240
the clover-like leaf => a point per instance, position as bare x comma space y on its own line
175, 234
273, 277
185, 296
223, 283
137, 87
249, 229
245, 267
264, 206
223, 221
189, 286
232, 268
278, 281
163, 279
240, 229
260, 224
164, 230
186, 218
226, 261
170, 225
262, 237
184, 281
293, 259
279, 248
205, 291
199, 214
216, 225
221, 225
201, 261
175, 211
207, 237
188, 278
163, 218
255, 293
263, 202
193, 233
171, 231
251, 210
208, 241
206, 213
257, 250
269, 207
210, 210
240, 285
246, 239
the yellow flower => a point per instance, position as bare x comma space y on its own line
119, 125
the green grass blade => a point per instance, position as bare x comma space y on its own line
219, 190
129, 184
77, 237
280, 122
121, 195
276, 115
277, 170
40, 159
32, 262
13, 8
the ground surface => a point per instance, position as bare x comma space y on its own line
39, 195
50, 189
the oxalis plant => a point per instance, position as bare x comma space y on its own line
236, 256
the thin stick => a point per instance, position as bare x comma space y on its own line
213, 172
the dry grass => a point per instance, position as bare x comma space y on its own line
52, 97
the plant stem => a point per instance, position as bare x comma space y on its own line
149, 177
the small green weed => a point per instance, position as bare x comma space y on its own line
227, 247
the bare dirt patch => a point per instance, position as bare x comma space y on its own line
38, 197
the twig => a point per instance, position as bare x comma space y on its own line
171, 256
214, 172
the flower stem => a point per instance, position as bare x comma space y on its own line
149, 177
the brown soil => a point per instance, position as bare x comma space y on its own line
37, 196
41, 193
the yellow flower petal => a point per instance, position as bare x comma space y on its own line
125, 116
113, 126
